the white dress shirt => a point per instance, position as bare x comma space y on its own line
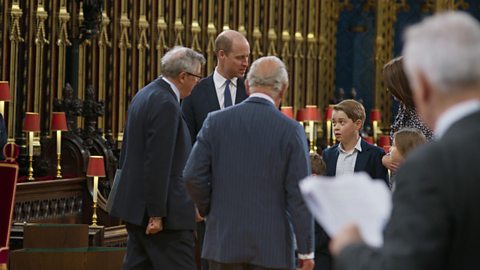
219, 82
346, 160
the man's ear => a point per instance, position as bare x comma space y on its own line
221, 54
247, 87
358, 124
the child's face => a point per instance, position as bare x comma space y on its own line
395, 156
344, 128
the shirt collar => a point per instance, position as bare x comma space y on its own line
219, 80
264, 96
358, 146
174, 88
453, 114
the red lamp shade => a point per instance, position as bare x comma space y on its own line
312, 113
369, 139
4, 91
329, 113
31, 122
96, 166
59, 121
384, 140
375, 115
301, 115
287, 111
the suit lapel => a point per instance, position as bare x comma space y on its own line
241, 93
211, 94
362, 157
331, 170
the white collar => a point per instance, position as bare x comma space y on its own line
219, 80
264, 96
453, 114
174, 88
358, 146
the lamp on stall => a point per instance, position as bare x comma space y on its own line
4, 96
96, 168
310, 115
287, 111
59, 124
328, 119
375, 117
31, 124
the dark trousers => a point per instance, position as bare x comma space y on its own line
200, 237
213, 265
165, 250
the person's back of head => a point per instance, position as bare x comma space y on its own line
318, 164
406, 140
268, 75
396, 81
442, 61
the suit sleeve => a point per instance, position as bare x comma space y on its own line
197, 172
189, 116
161, 134
380, 171
416, 235
298, 167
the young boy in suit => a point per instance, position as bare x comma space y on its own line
352, 154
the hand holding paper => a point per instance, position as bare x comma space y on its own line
336, 202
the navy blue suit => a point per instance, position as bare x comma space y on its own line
369, 160
204, 100
243, 174
155, 148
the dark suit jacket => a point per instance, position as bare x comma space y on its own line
435, 218
155, 148
243, 174
369, 161
204, 100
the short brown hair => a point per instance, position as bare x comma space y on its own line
352, 108
396, 81
318, 164
407, 139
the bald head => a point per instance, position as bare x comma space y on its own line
226, 39
268, 75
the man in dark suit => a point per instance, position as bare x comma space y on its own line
435, 219
223, 88
243, 175
151, 197
212, 94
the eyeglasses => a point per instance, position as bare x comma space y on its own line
194, 75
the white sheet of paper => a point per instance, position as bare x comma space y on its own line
338, 201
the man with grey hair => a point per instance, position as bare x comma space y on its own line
243, 175
150, 195
435, 219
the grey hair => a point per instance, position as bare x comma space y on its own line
180, 59
446, 49
268, 71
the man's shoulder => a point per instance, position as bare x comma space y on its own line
198, 90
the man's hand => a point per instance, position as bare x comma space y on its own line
347, 236
306, 264
154, 225
198, 218
389, 164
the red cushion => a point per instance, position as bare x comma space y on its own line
8, 176
4, 255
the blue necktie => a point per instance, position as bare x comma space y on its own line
228, 96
